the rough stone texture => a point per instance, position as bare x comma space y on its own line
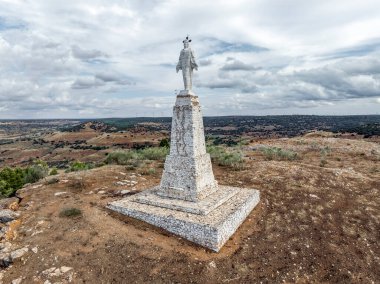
7, 203
7, 215
211, 230
203, 207
188, 172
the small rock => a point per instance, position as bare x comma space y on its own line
5, 260
7, 202
64, 269
7, 215
101, 192
35, 249
19, 253
48, 271
5, 247
36, 186
60, 193
212, 264
17, 281
125, 191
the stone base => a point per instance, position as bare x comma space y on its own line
191, 220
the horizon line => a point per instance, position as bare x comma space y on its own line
129, 117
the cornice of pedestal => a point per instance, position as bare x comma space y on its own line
187, 93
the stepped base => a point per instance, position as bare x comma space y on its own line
202, 207
208, 227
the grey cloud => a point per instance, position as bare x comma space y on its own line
205, 62
355, 51
237, 65
86, 83
85, 54
115, 78
221, 46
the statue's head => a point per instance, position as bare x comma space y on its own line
186, 42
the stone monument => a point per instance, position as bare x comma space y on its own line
189, 202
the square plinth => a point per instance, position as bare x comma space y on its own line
210, 231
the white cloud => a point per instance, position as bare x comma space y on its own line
96, 58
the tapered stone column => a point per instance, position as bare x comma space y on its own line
188, 172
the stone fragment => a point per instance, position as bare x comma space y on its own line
17, 281
19, 253
7, 215
60, 193
65, 269
7, 202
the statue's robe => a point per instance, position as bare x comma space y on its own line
187, 63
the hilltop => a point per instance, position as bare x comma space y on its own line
318, 220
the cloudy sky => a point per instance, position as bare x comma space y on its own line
98, 58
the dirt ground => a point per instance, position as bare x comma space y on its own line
313, 224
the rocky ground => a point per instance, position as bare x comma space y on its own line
316, 222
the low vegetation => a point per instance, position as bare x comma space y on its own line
276, 153
70, 212
136, 156
79, 166
12, 179
223, 157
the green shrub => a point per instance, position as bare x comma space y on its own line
79, 166
275, 153
148, 171
36, 172
165, 143
154, 153
323, 162
231, 158
70, 212
13, 179
134, 157
53, 172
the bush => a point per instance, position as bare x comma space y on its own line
70, 212
53, 172
154, 153
36, 172
148, 171
133, 157
79, 166
275, 153
165, 143
13, 179
121, 158
222, 157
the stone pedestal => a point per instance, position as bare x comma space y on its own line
188, 202
187, 173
